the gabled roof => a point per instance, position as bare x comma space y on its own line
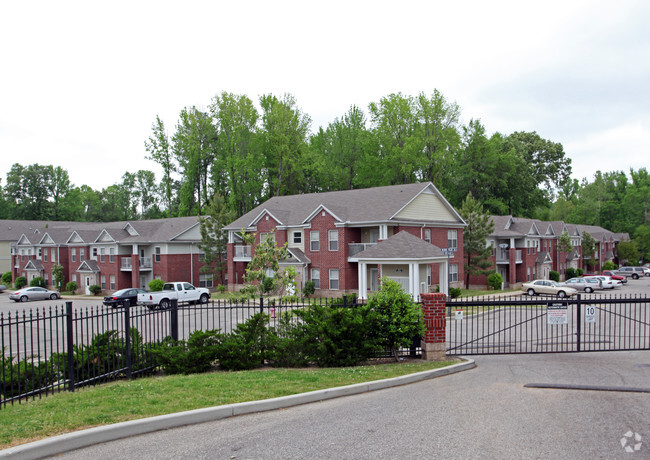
402, 246
88, 265
371, 205
34, 264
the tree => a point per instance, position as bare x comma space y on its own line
263, 271
479, 227
160, 152
588, 250
642, 238
399, 319
214, 239
564, 243
59, 276
628, 251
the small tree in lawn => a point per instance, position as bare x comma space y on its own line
399, 318
479, 227
59, 276
214, 239
263, 271
588, 250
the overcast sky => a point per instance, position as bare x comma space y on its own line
82, 82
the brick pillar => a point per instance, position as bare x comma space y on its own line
434, 343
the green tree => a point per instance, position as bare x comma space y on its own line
564, 243
628, 251
642, 238
263, 271
399, 319
214, 239
159, 150
479, 227
588, 250
59, 276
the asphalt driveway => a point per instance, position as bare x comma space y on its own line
486, 412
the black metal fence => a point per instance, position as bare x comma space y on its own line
59, 348
548, 325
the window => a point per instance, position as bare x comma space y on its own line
453, 272
103, 281
315, 277
95, 253
112, 282
427, 235
428, 275
74, 277
333, 240
53, 255
44, 255
205, 280
73, 254
39, 253
452, 239
334, 278
111, 255
45, 278
314, 241
102, 254
297, 237
82, 255
267, 236
156, 256
201, 256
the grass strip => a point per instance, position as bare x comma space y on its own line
146, 397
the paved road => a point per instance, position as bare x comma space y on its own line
482, 413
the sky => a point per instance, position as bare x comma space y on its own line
82, 82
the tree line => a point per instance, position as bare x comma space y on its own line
247, 152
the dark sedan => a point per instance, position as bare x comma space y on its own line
119, 298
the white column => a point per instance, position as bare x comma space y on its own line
443, 277
416, 282
363, 280
411, 278
383, 232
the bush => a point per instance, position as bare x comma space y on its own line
609, 265
21, 377
156, 285
37, 281
6, 278
20, 282
580, 272
221, 288
454, 292
196, 355
335, 337
246, 346
309, 288
285, 344
71, 287
553, 275
495, 281
95, 289
571, 273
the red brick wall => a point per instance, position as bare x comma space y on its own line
433, 308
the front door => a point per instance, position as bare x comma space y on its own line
374, 279
87, 284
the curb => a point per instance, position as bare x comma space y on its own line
84, 438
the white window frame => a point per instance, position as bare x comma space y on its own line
206, 280
156, 251
103, 282
314, 240
453, 273
332, 279
315, 277
297, 237
53, 255
427, 235
73, 254
333, 240
111, 255
452, 238
112, 280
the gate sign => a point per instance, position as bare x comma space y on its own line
557, 313
590, 314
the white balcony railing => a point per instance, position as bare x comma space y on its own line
356, 248
242, 252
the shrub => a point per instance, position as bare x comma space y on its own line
246, 346
71, 287
20, 282
20, 377
399, 318
571, 273
609, 265
495, 281
285, 343
454, 292
309, 288
221, 288
95, 289
156, 285
335, 337
553, 275
580, 272
37, 281
196, 355
6, 278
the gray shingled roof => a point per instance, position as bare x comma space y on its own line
402, 245
378, 204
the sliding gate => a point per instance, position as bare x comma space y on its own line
547, 325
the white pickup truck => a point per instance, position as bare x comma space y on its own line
180, 290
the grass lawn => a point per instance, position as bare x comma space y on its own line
133, 399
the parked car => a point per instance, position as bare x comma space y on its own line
548, 287
588, 284
633, 272
180, 290
607, 282
119, 298
33, 293
610, 273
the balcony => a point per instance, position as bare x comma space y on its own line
145, 264
242, 253
503, 256
356, 248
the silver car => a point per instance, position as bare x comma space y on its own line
588, 284
33, 293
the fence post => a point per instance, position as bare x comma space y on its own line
69, 344
261, 304
579, 321
345, 301
434, 345
127, 336
173, 320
